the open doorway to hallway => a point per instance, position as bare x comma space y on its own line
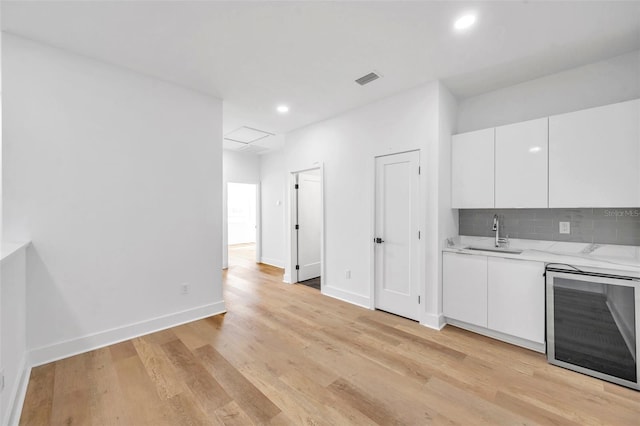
242, 219
308, 227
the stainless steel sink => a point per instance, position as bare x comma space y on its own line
495, 249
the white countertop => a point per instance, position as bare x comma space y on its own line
602, 256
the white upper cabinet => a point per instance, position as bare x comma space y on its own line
588, 158
521, 151
472, 170
594, 157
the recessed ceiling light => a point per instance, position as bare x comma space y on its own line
282, 109
534, 149
464, 22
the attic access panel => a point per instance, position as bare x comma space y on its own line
247, 135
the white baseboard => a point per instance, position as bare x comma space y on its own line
18, 393
433, 321
272, 262
286, 279
46, 354
347, 296
518, 341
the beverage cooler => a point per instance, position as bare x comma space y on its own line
593, 323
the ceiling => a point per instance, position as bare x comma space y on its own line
256, 55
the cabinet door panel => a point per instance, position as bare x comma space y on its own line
516, 296
465, 288
521, 165
594, 157
472, 156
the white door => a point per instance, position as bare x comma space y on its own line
309, 224
396, 238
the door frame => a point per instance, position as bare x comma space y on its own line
225, 219
291, 276
419, 247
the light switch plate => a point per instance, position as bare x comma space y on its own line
565, 227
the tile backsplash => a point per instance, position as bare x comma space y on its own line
604, 226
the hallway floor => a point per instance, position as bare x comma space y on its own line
287, 355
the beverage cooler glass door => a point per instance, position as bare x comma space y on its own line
593, 324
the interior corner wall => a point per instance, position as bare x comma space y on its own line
273, 183
445, 221
116, 178
2, 409
347, 145
237, 167
13, 324
613, 80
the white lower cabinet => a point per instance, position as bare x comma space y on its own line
465, 288
501, 295
516, 298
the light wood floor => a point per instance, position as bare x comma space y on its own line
285, 354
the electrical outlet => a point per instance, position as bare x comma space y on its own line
565, 227
347, 274
184, 288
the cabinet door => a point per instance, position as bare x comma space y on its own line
521, 165
464, 290
516, 296
594, 157
472, 156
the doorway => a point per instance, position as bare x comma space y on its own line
396, 282
308, 227
242, 220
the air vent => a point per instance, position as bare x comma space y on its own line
366, 79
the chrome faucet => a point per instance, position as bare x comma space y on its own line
496, 227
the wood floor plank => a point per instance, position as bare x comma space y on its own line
538, 415
367, 405
105, 396
232, 415
122, 350
187, 411
159, 369
324, 397
287, 355
253, 402
465, 407
71, 405
300, 409
39, 396
202, 385
141, 400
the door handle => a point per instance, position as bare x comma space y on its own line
378, 240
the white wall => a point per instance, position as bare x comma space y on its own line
443, 219
601, 83
237, 167
347, 146
116, 179
1, 234
13, 333
273, 185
